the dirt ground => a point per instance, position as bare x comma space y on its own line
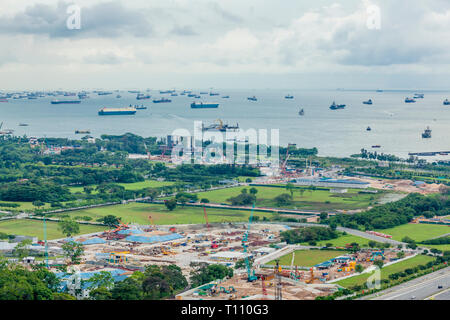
404, 186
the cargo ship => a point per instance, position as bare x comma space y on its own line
142, 107
65, 101
252, 98
162, 100
166, 91
203, 105
409, 100
104, 93
213, 94
289, 97
82, 131
116, 111
369, 129
142, 96
335, 106
220, 127
368, 102
226, 97
446, 102
419, 96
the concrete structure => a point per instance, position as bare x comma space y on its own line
332, 183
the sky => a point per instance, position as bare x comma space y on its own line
233, 44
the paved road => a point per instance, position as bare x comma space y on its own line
425, 287
369, 236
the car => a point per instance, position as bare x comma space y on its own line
413, 297
439, 287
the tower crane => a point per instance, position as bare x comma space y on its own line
250, 273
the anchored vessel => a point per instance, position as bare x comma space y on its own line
427, 133
142, 96
65, 101
368, 102
409, 100
220, 127
202, 105
116, 111
162, 100
289, 97
82, 131
335, 106
301, 112
446, 102
252, 98
418, 96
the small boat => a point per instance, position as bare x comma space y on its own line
419, 96
23, 124
427, 133
118, 96
446, 102
82, 131
289, 97
226, 97
252, 98
335, 106
369, 129
376, 146
409, 100
368, 102
301, 112
141, 107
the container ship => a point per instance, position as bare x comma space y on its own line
203, 105
65, 101
116, 111
162, 100
335, 106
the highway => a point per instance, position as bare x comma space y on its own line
423, 288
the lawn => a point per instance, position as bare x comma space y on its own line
35, 228
418, 232
386, 271
140, 212
132, 186
343, 240
308, 258
310, 199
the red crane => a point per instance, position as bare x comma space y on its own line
206, 218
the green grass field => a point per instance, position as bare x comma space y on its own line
386, 271
140, 212
35, 228
310, 199
133, 186
308, 258
418, 232
343, 240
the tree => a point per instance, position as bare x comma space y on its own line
38, 203
73, 251
290, 188
21, 249
69, 227
100, 293
323, 216
283, 199
253, 191
359, 268
372, 243
400, 255
171, 204
102, 279
209, 273
128, 289
152, 193
204, 200
110, 220
378, 263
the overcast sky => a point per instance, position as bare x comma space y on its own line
225, 44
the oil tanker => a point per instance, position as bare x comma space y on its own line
116, 111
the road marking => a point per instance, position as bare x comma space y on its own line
408, 289
436, 294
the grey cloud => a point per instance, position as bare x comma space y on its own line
226, 14
104, 59
108, 19
183, 31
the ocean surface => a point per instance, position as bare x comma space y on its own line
396, 126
